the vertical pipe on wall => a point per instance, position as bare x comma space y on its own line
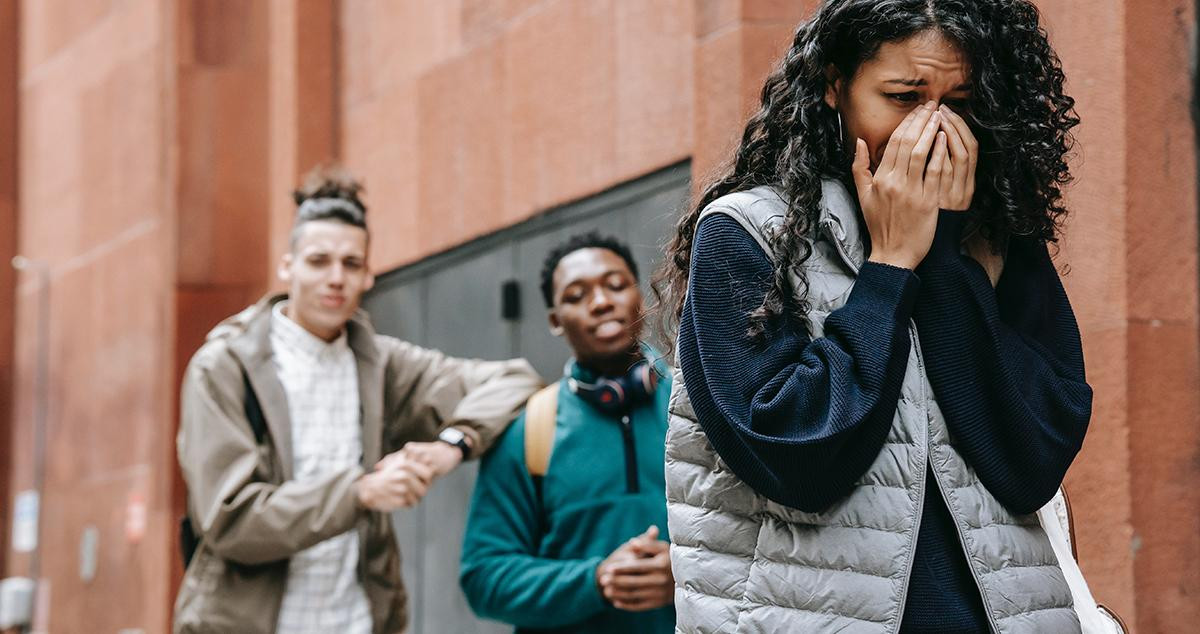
41, 402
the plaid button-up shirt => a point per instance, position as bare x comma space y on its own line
321, 382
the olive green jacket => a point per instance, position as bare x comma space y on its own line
248, 512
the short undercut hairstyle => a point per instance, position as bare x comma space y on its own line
328, 193
590, 240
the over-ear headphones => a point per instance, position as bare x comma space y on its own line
615, 395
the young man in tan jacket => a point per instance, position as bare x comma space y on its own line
289, 412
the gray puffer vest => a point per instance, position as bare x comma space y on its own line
745, 564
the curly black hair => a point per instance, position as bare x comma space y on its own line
1018, 111
335, 195
589, 240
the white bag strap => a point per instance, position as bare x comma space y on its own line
1055, 518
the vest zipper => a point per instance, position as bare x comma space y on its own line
631, 474
929, 467
987, 607
926, 466
921, 484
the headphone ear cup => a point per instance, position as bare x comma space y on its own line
610, 394
641, 380
607, 394
613, 395
649, 378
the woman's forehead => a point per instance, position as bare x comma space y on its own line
924, 59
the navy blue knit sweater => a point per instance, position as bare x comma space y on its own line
800, 420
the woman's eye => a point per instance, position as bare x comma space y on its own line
904, 97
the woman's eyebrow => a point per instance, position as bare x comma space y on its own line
917, 83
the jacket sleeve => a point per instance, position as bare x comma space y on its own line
796, 418
1006, 365
432, 391
239, 514
501, 574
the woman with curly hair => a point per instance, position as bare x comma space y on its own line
881, 376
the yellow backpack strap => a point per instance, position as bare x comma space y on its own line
540, 414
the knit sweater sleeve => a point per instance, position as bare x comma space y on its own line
1006, 365
796, 418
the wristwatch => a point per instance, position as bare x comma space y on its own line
452, 436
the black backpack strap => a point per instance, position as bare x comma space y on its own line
254, 413
188, 540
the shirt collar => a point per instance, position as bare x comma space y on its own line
286, 332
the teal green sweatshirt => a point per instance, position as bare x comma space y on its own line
535, 568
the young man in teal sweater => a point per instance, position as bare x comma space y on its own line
563, 533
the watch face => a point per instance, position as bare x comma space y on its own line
452, 436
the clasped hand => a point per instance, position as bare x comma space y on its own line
402, 478
637, 575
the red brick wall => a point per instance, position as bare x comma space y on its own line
157, 143
93, 119
1160, 251
469, 115
8, 243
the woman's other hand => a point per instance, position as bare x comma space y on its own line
900, 200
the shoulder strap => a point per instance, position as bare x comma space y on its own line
254, 414
540, 414
1067, 519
